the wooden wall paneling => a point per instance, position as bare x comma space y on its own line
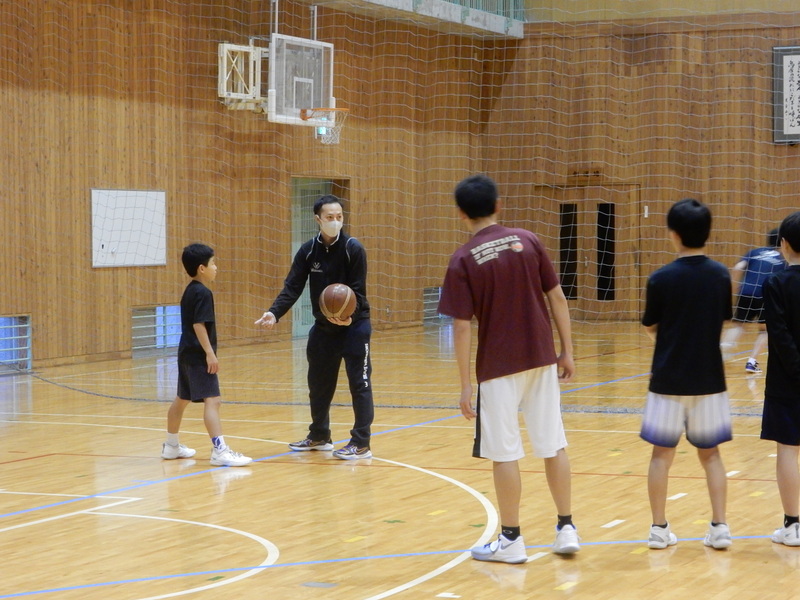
589, 87
396, 92
731, 114
258, 253
449, 132
124, 96
645, 68
19, 213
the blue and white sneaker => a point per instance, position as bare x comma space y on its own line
352, 452
308, 444
752, 367
502, 550
228, 458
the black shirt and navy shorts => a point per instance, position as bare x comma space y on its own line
781, 419
195, 383
688, 299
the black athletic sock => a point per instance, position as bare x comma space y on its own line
564, 520
787, 520
715, 524
664, 526
510, 533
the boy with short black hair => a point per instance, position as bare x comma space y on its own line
781, 419
197, 361
687, 302
504, 278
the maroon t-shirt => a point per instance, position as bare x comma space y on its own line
500, 276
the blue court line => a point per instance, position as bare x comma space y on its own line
266, 458
318, 562
287, 403
118, 491
422, 424
240, 569
438, 420
600, 383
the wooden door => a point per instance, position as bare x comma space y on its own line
598, 241
305, 191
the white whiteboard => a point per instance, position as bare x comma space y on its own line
129, 228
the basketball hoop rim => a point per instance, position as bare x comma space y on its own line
308, 113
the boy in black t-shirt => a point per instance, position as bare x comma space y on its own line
687, 302
197, 361
781, 418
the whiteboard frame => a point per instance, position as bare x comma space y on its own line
131, 245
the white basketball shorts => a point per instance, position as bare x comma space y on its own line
706, 420
537, 395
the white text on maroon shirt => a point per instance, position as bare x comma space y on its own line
491, 250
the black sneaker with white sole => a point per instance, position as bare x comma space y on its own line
309, 444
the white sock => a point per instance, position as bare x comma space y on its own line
172, 439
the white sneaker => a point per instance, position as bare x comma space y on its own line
170, 452
567, 540
502, 550
788, 536
661, 537
718, 537
228, 458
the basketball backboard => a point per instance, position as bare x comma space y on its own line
300, 77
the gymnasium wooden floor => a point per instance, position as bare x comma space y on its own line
88, 509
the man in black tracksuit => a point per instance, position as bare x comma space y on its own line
332, 257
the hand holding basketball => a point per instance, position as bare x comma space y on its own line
338, 302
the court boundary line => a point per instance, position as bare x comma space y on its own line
584, 545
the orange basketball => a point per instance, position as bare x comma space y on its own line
337, 301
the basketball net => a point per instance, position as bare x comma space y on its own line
329, 122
